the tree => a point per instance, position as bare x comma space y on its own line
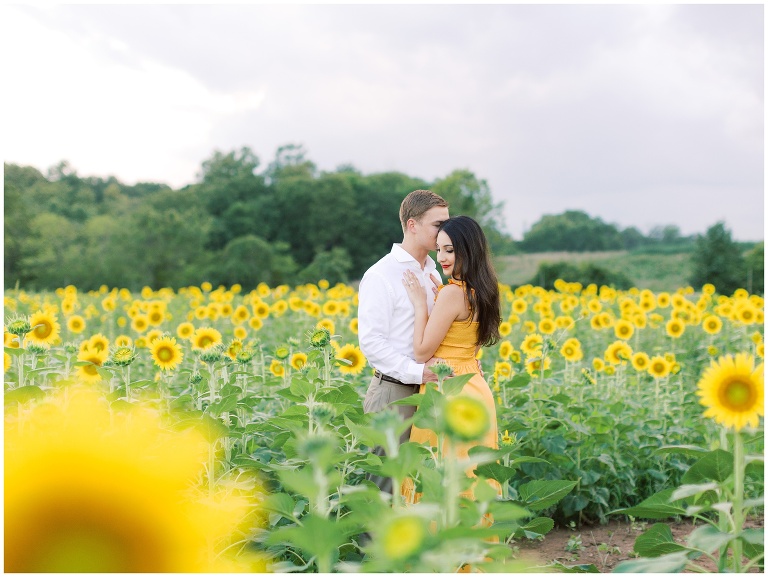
573, 230
754, 261
718, 260
333, 265
249, 260
234, 195
469, 196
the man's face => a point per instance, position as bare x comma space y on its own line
426, 228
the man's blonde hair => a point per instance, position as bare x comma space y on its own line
417, 203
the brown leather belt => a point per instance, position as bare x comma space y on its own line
381, 376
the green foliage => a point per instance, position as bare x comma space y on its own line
718, 260
586, 273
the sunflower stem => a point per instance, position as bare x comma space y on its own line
20, 360
738, 499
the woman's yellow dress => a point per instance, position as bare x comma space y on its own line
458, 350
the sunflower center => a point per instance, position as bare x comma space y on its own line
737, 395
42, 330
164, 354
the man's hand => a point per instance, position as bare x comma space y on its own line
428, 376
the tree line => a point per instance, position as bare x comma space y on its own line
239, 223
243, 223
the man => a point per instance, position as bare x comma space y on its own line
385, 314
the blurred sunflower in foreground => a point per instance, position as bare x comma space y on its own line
93, 490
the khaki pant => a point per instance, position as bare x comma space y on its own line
380, 394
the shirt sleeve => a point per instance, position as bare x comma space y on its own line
374, 316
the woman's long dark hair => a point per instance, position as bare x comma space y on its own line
473, 266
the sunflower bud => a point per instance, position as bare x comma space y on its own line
441, 369
123, 356
319, 338
19, 327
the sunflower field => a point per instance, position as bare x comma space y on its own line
210, 429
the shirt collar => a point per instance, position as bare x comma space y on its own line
402, 255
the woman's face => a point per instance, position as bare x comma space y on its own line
445, 255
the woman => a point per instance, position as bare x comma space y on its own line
466, 316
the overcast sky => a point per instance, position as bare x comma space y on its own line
641, 115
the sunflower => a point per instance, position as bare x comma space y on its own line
255, 323
89, 373
240, 315
354, 355
279, 307
261, 310
571, 351
353, 325
330, 308
240, 333
640, 361
675, 328
327, 324
296, 304
234, 348
123, 341
153, 335
547, 326
156, 316
76, 324
98, 342
263, 290
534, 365
401, 538
519, 306
45, 328
298, 360
466, 418
277, 368
659, 367
618, 353
760, 349
205, 337
505, 349
623, 329
732, 389
532, 344
744, 313
598, 364
140, 323
503, 370
166, 353
663, 300
507, 439
88, 489
185, 330
712, 324
505, 328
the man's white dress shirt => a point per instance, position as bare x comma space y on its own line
385, 314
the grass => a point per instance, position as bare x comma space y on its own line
657, 272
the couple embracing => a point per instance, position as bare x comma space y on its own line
408, 320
